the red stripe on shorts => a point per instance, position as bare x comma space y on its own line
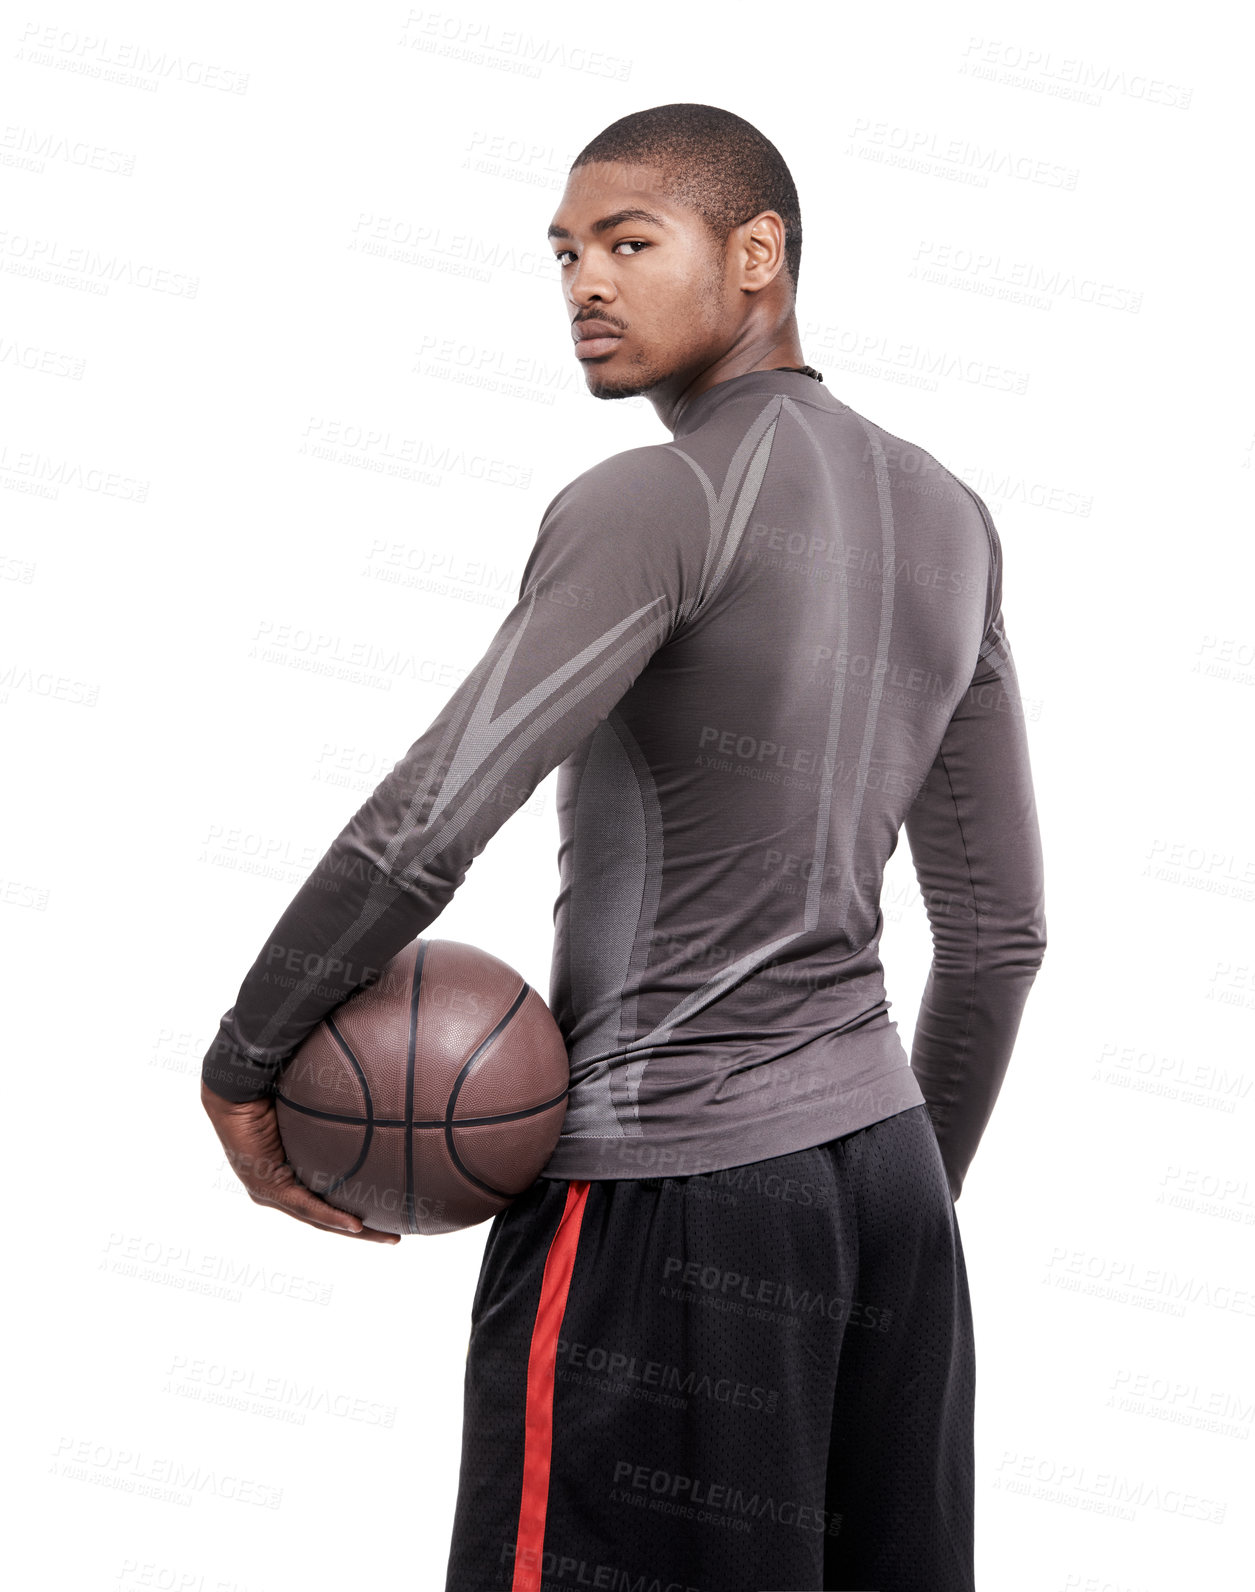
538, 1424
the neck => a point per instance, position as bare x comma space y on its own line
782, 352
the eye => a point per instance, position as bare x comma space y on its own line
636, 244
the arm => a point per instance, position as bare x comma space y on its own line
603, 588
975, 843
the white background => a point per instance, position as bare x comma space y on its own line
226, 234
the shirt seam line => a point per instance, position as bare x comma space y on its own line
963, 1047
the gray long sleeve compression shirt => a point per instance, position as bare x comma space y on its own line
755, 653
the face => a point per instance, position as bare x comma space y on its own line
644, 270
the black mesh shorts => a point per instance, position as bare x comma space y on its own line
759, 1379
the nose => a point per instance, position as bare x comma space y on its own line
588, 283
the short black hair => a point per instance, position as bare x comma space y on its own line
713, 161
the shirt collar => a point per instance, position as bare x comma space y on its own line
794, 381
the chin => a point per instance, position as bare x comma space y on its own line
605, 385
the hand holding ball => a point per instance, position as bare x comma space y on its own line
428, 1100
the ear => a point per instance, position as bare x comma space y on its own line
760, 250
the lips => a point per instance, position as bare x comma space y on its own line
595, 338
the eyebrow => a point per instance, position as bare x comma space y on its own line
606, 223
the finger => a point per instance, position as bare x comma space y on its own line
296, 1200
255, 1151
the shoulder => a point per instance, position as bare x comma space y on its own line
637, 521
645, 498
913, 472
636, 479
953, 509
906, 463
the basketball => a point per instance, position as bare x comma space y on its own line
426, 1101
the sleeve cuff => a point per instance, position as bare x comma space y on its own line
235, 1075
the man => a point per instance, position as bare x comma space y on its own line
724, 1340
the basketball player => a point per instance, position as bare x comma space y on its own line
724, 1341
